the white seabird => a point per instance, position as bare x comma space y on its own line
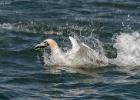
80, 54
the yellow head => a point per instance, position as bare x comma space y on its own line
52, 43
48, 42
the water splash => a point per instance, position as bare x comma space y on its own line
47, 58
128, 49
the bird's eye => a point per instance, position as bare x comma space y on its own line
46, 43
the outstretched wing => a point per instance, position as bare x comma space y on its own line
83, 54
90, 56
75, 45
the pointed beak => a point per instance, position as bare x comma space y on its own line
40, 46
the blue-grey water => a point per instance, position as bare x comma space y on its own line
24, 23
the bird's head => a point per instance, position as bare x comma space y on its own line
48, 42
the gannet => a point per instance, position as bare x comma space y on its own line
80, 54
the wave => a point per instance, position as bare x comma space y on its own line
29, 27
128, 49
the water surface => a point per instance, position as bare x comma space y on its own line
24, 23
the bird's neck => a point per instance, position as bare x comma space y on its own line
55, 51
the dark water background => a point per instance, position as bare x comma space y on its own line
24, 23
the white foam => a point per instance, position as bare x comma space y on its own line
18, 27
7, 26
128, 49
2, 3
